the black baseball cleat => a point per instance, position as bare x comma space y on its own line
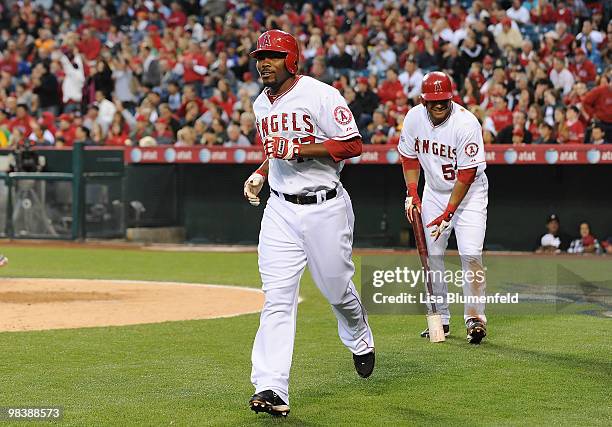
425, 333
364, 364
476, 330
269, 402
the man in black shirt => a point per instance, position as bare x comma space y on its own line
554, 241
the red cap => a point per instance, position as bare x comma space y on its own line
506, 21
363, 80
579, 51
162, 120
65, 117
141, 118
400, 95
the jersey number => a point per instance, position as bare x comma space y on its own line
448, 172
304, 140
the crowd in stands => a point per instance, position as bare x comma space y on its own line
151, 72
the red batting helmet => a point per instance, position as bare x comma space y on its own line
279, 41
436, 86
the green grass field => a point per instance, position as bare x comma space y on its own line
537, 367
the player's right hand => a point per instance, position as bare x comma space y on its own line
252, 187
412, 199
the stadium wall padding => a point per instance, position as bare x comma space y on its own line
207, 200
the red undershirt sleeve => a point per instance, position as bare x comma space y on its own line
466, 176
342, 150
410, 164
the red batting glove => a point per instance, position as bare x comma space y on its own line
278, 147
442, 222
412, 199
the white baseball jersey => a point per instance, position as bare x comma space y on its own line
444, 149
309, 112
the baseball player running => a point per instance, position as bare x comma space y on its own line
307, 131
446, 140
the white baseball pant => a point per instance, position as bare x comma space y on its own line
469, 223
291, 237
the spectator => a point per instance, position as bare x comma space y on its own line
598, 135
378, 130
46, 87
598, 106
251, 87
500, 117
411, 79
554, 241
562, 37
589, 34
574, 126
388, 89
66, 130
186, 137
106, 111
22, 120
97, 135
74, 81
561, 78
320, 72
546, 134
339, 56
534, 119
586, 243
123, 82
470, 95
247, 127
166, 113
163, 135
607, 245
82, 135
517, 128
582, 68
235, 138
508, 35
366, 101
89, 45
142, 128
103, 79
117, 135
518, 13
41, 135
382, 57
174, 96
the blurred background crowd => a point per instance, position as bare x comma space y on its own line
149, 72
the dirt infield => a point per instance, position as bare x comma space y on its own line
40, 304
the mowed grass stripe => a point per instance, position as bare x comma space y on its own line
536, 369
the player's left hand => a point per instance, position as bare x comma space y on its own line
281, 148
442, 222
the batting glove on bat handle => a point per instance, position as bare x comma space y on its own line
252, 187
442, 222
412, 200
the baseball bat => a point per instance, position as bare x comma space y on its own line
419, 237
434, 320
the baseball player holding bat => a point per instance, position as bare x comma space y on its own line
445, 140
307, 130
